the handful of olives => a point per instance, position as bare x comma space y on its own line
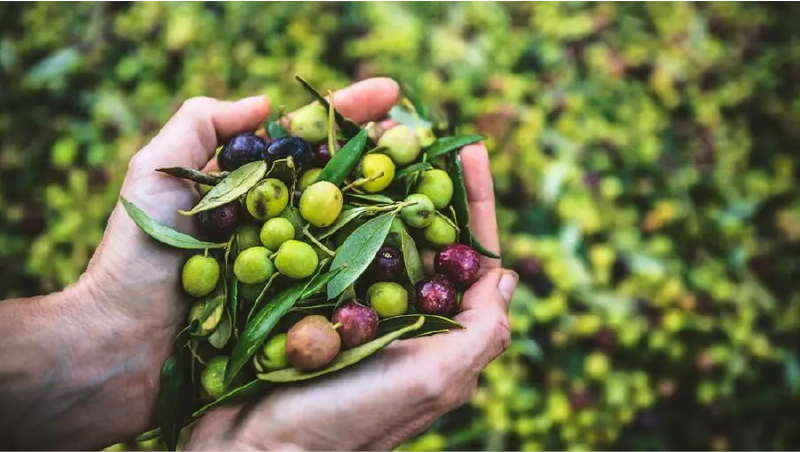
309, 258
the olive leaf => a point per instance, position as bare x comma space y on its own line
402, 116
358, 250
432, 323
411, 259
292, 214
174, 403
345, 161
164, 233
349, 128
259, 327
260, 299
193, 175
325, 307
148, 435
233, 305
476, 245
241, 394
371, 197
331, 126
445, 145
213, 308
412, 169
344, 359
238, 182
220, 337
346, 217
276, 130
347, 294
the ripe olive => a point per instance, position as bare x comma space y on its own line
359, 323
321, 204
273, 355
460, 263
267, 199
247, 237
387, 264
200, 275
244, 148
219, 224
312, 343
440, 232
296, 259
252, 266
310, 123
308, 178
436, 295
288, 146
373, 165
276, 231
402, 143
436, 185
419, 215
388, 299
323, 154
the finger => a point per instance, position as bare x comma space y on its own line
480, 195
367, 100
192, 135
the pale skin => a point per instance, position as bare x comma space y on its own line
79, 369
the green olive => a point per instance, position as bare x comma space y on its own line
212, 378
388, 299
273, 355
420, 215
436, 185
381, 168
276, 231
402, 143
308, 178
267, 199
252, 266
310, 123
296, 259
321, 204
247, 237
200, 275
440, 232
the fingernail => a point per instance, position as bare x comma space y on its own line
508, 284
252, 100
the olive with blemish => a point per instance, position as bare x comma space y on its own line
267, 199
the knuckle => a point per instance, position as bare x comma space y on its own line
195, 105
502, 332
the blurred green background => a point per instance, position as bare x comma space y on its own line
644, 156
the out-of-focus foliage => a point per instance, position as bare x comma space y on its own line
644, 156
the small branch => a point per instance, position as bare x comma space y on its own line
361, 181
317, 242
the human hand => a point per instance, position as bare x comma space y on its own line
397, 393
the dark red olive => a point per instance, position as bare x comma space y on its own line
220, 223
436, 295
359, 323
387, 264
323, 154
460, 263
241, 149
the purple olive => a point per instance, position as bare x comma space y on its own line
220, 223
436, 295
387, 264
241, 149
460, 263
359, 323
283, 147
323, 154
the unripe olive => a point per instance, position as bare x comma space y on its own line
273, 355
310, 123
371, 166
440, 232
252, 266
212, 378
247, 237
321, 204
436, 185
267, 199
402, 143
308, 178
388, 299
296, 259
200, 275
419, 215
276, 231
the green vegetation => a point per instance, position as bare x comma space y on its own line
644, 157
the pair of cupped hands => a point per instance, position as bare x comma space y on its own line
135, 283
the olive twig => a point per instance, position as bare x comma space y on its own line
393, 206
317, 242
361, 181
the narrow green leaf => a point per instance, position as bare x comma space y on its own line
148, 435
460, 202
276, 130
233, 305
175, 396
346, 217
193, 175
430, 333
348, 294
292, 214
241, 394
476, 245
238, 182
432, 323
259, 327
220, 337
445, 145
345, 359
332, 126
411, 259
318, 281
325, 306
349, 128
358, 251
260, 298
373, 198
413, 169
164, 233
345, 161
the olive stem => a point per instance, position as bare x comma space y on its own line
205, 252
317, 242
361, 181
337, 325
392, 206
331, 125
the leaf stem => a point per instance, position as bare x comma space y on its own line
361, 181
337, 325
317, 242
